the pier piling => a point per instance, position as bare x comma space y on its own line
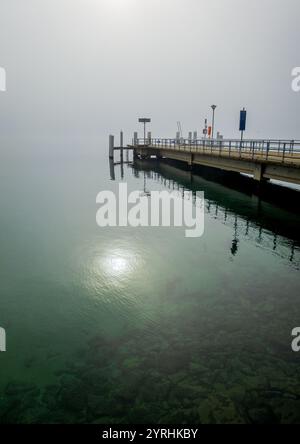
111, 146
121, 145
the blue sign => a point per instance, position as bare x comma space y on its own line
243, 119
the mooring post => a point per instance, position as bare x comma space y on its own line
121, 145
135, 144
111, 146
112, 169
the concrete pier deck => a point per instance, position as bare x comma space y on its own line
263, 159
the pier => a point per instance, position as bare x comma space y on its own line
262, 159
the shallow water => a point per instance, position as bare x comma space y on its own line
142, 325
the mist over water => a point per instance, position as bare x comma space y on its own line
123, 325
142, 324
93, 67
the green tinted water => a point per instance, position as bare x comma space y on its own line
142, 325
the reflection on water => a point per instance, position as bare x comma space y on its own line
107, 271
116, 263
250, 223
143, 325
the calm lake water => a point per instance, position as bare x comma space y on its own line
122, 325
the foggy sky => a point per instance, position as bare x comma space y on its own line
92, 67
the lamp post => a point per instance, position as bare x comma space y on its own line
213, 107
205, 129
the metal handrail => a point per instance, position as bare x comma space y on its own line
262, 149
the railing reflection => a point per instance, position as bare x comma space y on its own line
249, 228
243, 227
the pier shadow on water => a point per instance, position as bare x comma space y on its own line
202, 330
266, 213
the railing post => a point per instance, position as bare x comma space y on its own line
292, 146
283, 154
268, 149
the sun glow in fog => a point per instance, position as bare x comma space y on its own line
118, 5
111, 267
118, 263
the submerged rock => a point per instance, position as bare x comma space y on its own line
262, 415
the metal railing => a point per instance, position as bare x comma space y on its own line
283, 151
